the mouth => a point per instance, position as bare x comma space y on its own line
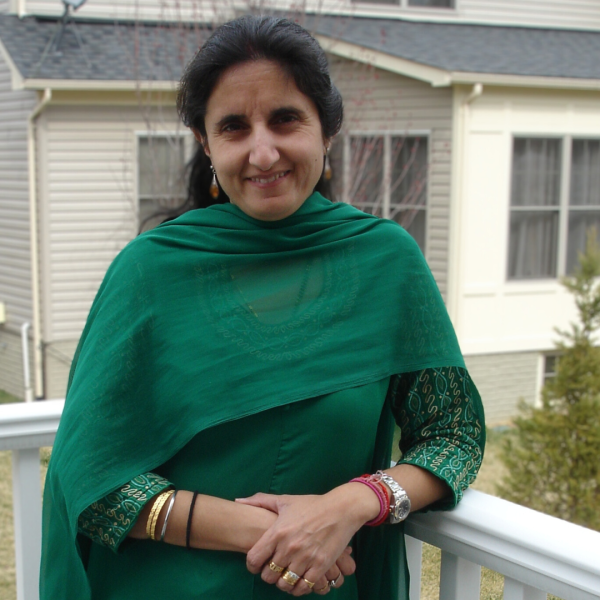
266, 180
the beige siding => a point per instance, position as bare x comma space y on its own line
377, 100
551, 13
87, 180
175, 10
503, 380
15, 272
11, 363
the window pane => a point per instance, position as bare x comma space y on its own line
579, 223
439, 3
536, 172
408, 186
396, 2
585, 173
161, 162
414, 221
532, 244
366, 174
153, 211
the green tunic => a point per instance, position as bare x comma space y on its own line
216, 317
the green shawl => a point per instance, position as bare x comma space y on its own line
215, 316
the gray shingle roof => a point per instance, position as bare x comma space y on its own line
474, 48
146, 52
112, 50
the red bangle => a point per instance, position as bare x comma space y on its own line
384, 501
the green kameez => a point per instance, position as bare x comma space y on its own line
216, 318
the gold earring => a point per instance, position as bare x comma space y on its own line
327, 171
214, 186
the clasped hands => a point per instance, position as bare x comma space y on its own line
310, 538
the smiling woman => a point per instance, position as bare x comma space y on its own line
228, 425
265, 140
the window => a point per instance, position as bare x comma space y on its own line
161, 182
555, 198
384, 175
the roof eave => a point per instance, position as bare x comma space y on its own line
16, 77
124, 85
442, 78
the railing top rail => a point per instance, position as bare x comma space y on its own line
532, 547
29, 424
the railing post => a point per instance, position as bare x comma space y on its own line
515, 590
460, 579
27, 504
414, 555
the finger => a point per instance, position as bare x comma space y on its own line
292, 583
260, 554
268, 501
346, 564
335, 577
322, 587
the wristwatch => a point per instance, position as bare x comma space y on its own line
400, 505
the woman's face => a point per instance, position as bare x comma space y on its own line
264, 138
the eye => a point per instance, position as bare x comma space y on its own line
286, 118
231, 127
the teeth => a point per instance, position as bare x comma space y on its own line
269, 180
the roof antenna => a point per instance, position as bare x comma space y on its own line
53, 44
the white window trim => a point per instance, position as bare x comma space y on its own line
387, 164
188, 150
403, 4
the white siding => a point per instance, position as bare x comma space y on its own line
11, 363
15, 271
552, 13
495, 315
503, 380
4, 6
377, 100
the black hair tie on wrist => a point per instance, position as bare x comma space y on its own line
188, 529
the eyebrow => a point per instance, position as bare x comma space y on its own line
278, 112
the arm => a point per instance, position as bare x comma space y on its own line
440, 415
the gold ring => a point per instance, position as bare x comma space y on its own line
310, 584
275, 567
290, 577
323, 588
334, 582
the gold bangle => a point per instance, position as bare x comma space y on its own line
155, 513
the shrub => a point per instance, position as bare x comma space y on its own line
553, 458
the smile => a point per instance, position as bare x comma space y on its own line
268, 179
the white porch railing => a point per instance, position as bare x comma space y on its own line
536, 553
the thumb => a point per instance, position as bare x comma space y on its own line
268, 501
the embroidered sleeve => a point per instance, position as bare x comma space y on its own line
109, 520
440, 415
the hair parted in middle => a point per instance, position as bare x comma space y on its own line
260, 38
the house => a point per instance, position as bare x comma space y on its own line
475, 123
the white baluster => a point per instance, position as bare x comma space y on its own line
515, 590
28, 521
460, 579
414, 554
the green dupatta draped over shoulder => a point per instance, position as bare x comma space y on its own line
216, 316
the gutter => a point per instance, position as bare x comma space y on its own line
33, 234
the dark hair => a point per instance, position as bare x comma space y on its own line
254, 38
246, 39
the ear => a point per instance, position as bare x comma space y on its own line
201, 140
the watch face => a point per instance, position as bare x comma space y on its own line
401, 509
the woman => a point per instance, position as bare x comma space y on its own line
257, 352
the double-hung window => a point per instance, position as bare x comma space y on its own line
385, 175
555, 199
161, 178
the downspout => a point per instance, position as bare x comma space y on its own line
460, 133
33, 234
21, 10
25, 348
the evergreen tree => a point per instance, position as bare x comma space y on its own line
553, 459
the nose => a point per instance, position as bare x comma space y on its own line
263, 151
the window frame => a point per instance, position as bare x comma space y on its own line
387, 168
563, 207
188, 150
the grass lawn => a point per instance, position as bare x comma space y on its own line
491, 583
